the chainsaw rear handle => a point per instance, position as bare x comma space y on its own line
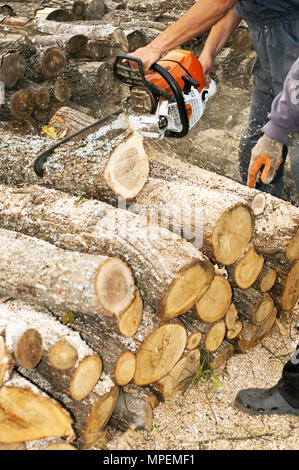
136, 77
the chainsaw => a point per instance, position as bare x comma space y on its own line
175, 93
167, 102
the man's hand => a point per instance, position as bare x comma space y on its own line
266, 153
207, 62
148, 56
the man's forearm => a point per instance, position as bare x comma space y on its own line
198, 19
220, 33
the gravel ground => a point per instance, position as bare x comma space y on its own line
204, 418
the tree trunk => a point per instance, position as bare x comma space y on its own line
143, 358
90, 414
21, 340
48, 62
131, 412
176, 280
27, 414
104, 168
58, 354
209, 221
53, 14
276, 222
91, 78
69, 121
253, 305
111, 39
56, 278
251, 335
12, 68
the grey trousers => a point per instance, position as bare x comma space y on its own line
277, 47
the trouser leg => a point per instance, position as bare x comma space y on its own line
260, 107
294, 158
288, 385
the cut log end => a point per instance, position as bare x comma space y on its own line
248, 269
13, 68
231, 316
29, 348
258, 204
292, 250
129, 321
291, 290
85, 377
114, 286
128, 168
232, 234
189, 286
214, 304
62, 355
235, 330
27, 416
53, 62
22, 104
159, 353
194, 340
268, 280
99, 417
125, 368
215, 336
263, 311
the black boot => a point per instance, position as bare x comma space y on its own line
281, 399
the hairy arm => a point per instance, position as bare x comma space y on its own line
198, 19
217, 38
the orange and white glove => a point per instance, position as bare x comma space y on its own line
266, 154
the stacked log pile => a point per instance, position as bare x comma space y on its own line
124, 270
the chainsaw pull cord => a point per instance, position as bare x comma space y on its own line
42, 157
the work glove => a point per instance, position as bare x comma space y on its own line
267, 153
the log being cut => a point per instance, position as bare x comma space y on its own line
170, 273
34, 270
114, 166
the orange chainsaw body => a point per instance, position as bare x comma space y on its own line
178, 63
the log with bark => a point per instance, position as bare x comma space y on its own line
47, 63
131, 411
276, 221
58, 353
175, 279
53, 14
143, 358
34, 270
12, 68
220, 227
21, 341
115, 166
88, 79
89, 9
90, 415
275, 236
110, 40
27, 413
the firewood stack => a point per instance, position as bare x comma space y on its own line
135, 264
